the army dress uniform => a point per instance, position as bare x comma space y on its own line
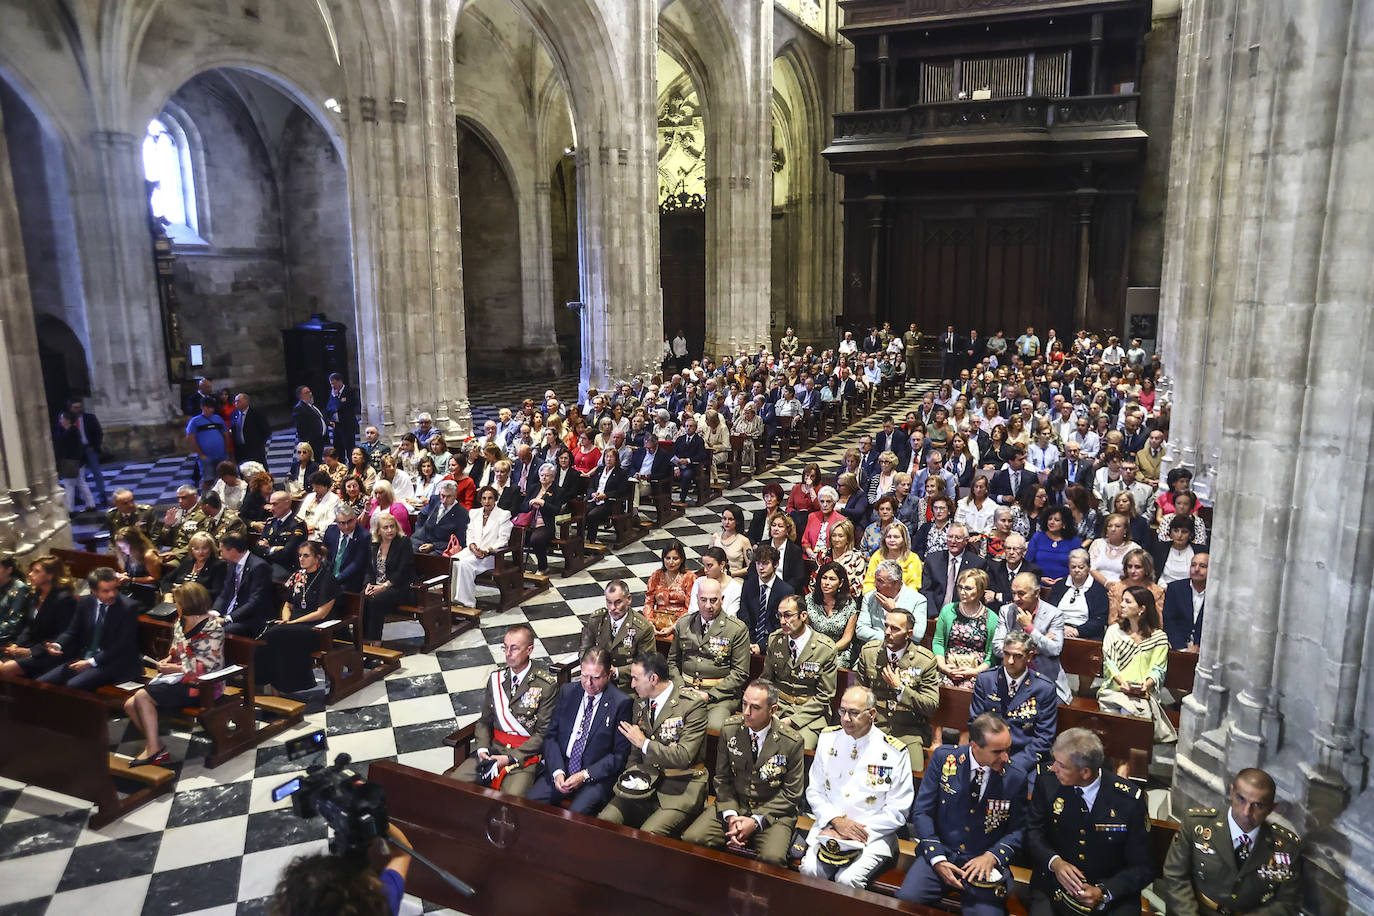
867, 780
513, 723
766, 786
713, 660
225, 522
176, 537
143, 518
1203, 874
1108, 842
670, 761
806, 684
903, 713
955, 819
284, 537
634, 638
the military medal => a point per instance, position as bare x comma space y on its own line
1058, 806
854, 751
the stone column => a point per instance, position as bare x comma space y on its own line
540, 343
33, 512
1274, 210
739, 164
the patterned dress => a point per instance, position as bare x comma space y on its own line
834, 625
966, 646
664, 603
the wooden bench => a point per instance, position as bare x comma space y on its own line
572, 540
433, 609
59, 738
81, 563
508, 576
734, 472
341, 654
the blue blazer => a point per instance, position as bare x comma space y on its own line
661, 468
607, 749
119, 649
1033, 715
437, 535
1178, 614
257, 599
949, 822
354, 566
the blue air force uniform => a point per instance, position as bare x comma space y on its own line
1032, 712
952, 821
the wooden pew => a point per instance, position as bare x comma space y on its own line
493, 841
1082, 657
81, 563
572, 539
59, 738
433, 609
509, 576
1124, 738
341, 652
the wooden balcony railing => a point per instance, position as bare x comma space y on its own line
864, 14
1019, 114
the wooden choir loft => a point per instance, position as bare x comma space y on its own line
991, 162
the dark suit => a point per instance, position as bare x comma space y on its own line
951, 354
761, 621
897, 443
569, 484
999, 578
48, 620
1109, 843
603, 756
436, 532
341, 411
949, 820
1082, 473
310, 426
793, 568
693, 448
251, 432
1033, 714
116, 655
660, 468
1099, 607
974, 348
283, 537
256, 599
1001, 488
1178, 614
352, 569
617, 487
936, 573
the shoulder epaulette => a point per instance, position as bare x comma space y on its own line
824, 640
545, 675
895, 742
830, 728
787, 730
1286, 834
736, 719
1122, 785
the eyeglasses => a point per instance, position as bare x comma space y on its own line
852, 713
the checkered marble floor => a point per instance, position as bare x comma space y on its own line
217, 843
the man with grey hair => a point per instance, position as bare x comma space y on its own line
1087, 837
1012, 564
424, 428
440, 520
1026, 699
179, 523
350, 548
889, 594
1042, 622
709, 656
944, 566
859, 790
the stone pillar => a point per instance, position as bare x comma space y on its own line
739, 165
1269, 268
403, 157
33, 512
130, 391
540, 342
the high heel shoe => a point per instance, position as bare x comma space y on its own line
157, 759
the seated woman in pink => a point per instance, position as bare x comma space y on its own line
384, 500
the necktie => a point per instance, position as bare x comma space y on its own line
754, 742
95, 631
339, 554
1243, 848
580, 745
793, 644
1015, 483
524, 475
234, 601
976, 790
1082, 799
949, 579
763, 600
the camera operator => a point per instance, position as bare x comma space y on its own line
328, 885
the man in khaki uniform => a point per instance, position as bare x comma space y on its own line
759, 781
903, 677
1235, 861
129, 514
710, 655
667, 743
801, 662
178, 524
515, 717
219, 521
625, 633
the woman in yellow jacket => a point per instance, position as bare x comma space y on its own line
896, 546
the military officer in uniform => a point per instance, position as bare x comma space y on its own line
801, 662
665, 783
219, 521
968, 821
759, 779
903, 676
125, 513
1087, 835
1235, 862
281, 536
516, 710
625, 633
859, 791
178, 524
1026, 699
710, 655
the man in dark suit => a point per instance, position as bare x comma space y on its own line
1086, 835
689, 457
341, 411
1184, 603
584, 749
951, 353
350, 548
974, 347
650, 463
760, 595
92, 435
247, 601
251, 432
441, 519
1012, 564
310, 425
871, 344
1007, 483
1024, 698
100, 644
1074, 468
893, 440
968, 821
943, 568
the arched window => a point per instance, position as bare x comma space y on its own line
167, 165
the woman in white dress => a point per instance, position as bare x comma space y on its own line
489, 528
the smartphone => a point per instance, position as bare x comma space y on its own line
286, 789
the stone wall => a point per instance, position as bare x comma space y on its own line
1159, 78
491, 259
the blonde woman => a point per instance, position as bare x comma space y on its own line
844, 552
896, 547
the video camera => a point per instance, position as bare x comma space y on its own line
354, 808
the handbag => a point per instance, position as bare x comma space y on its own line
453, 548
525, 519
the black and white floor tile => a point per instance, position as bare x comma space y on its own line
216, 845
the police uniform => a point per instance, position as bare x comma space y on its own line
714, 660
1032, 714
1109, 844
806, 686
636, 637
671, 760
512, 723
903, 713
1202, 873
766, 786
953, 822
285, 533
177, 536
869, 781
